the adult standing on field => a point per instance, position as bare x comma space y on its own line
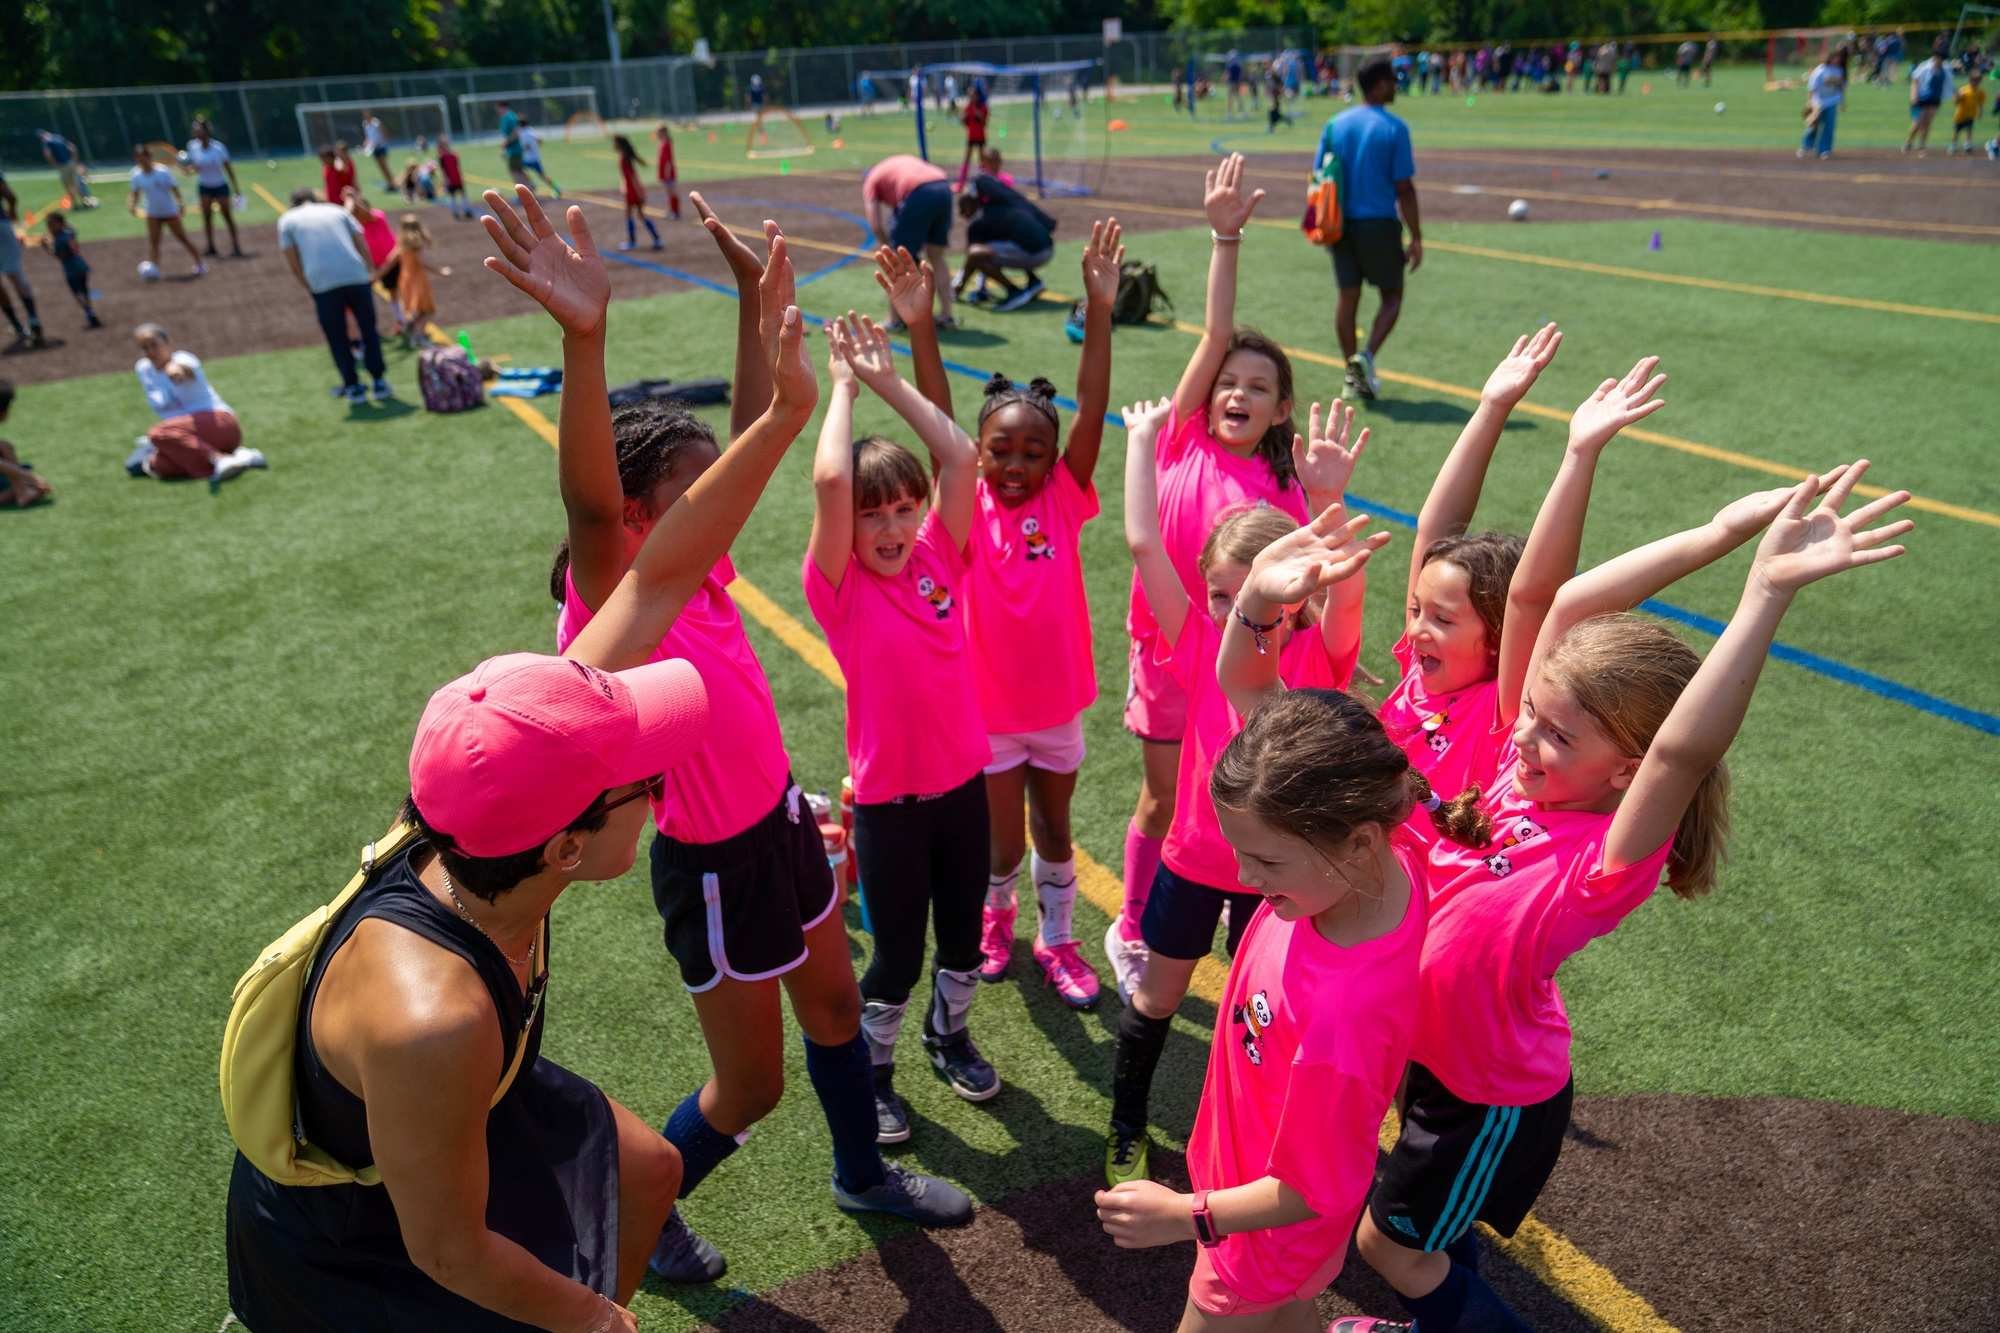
323, 244
511, 146
1930, 85
156, 197
215, 182
375, 143
1826, 88
907, 202
61, 154
1377, 182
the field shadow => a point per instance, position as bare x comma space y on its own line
374, 414
47, 344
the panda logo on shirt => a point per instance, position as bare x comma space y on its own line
936, 594
1038, 545
1255, 1016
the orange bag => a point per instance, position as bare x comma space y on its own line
1322, 219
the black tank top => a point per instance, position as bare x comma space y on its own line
335, 1119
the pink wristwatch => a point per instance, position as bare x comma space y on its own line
1204, 1221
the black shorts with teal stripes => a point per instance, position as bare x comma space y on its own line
1458, 1162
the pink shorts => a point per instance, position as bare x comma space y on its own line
1155, 703
1057, 749
1206, 1289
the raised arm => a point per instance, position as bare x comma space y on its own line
1228, 210
832, 540
1549, 558
1804, 544
1455, 493
1102, 255
697, 529
750, 394
567, 279
864, 344
911, 287
1326, 553
1164, 593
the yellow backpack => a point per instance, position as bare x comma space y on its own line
259, 1044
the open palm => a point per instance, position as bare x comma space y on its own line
1148, 415
1616, 404
1308, 558
1806, 544
1323, 459
1516, 374
737, 253
864, 345
908, 284
1228, 208
1102, 256
566, 278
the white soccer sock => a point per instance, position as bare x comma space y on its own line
951, 1000
1055, 895
1000, 890
880, 1022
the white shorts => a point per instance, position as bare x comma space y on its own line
1057, 749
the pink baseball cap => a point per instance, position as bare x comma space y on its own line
509, 754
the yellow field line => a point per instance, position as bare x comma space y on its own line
1558, 1264
267, 196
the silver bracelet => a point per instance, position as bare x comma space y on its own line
1220, 239
607, 1315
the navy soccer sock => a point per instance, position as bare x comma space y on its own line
842, 1077
702, 1146
652, 231
1463, 1303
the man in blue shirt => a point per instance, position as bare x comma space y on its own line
1377, 172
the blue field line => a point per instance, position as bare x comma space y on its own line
1880, 686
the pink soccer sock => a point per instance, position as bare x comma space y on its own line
1142, 862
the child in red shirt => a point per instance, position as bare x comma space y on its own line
336, 171
454, 180
975, 117
667, 173
635, 194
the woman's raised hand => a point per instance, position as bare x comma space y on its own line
566, 278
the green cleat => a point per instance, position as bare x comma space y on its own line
1126, 1157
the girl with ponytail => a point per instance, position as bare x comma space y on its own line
1611, 777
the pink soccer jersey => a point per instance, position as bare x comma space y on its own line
737, 774
1310, 1043
1503, 918
1026, 616
913, 723
1195, 848
1453, 739
1199, 480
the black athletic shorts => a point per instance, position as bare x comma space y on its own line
741, 907
923, 218
1457, 1163
1370, 250
78, 280
215, 192
1180, 916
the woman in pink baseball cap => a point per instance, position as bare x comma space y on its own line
527, 775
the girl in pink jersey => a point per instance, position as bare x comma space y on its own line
1612, 776
739, 873
1228, 442
1197, 875
884, 575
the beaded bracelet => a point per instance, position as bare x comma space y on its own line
1258, 633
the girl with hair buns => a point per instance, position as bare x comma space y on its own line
1612, 776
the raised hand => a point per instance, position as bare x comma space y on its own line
737, 253
1306, 559
837, 368
1148, 416
1324, 460
1228, 208
864, 345
1806, 544
1617, 404
1516, 374
1102, 256
909, 285
1749, 515
782, 328
566, 278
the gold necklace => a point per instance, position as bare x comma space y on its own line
527, 957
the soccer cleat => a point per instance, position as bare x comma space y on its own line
355, 393
1064, 968
1361, 371
958, 1061
892, 1116
200, 270
682, 1256
1023, 297
383, 393
977, 296
1361, 1323
910, 1195
626, 245
996, 941
1126, 1157
1128, 961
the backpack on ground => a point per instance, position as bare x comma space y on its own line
448, 380
260, 1042
1139, 291
1323, 215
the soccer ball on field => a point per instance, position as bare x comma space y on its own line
1518, 210
148, 271
1721, 107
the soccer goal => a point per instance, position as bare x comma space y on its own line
1049, 121
404, 120
573, 109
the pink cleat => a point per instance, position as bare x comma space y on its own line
1075, 981
996, 941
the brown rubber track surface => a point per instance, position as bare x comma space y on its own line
254, 305
1752, 1214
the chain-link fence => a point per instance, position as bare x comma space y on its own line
257, 119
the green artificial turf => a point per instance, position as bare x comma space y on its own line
213, 699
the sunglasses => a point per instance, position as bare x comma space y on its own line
653, 788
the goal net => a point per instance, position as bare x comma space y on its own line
404, 120
572, 111
1048, 121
